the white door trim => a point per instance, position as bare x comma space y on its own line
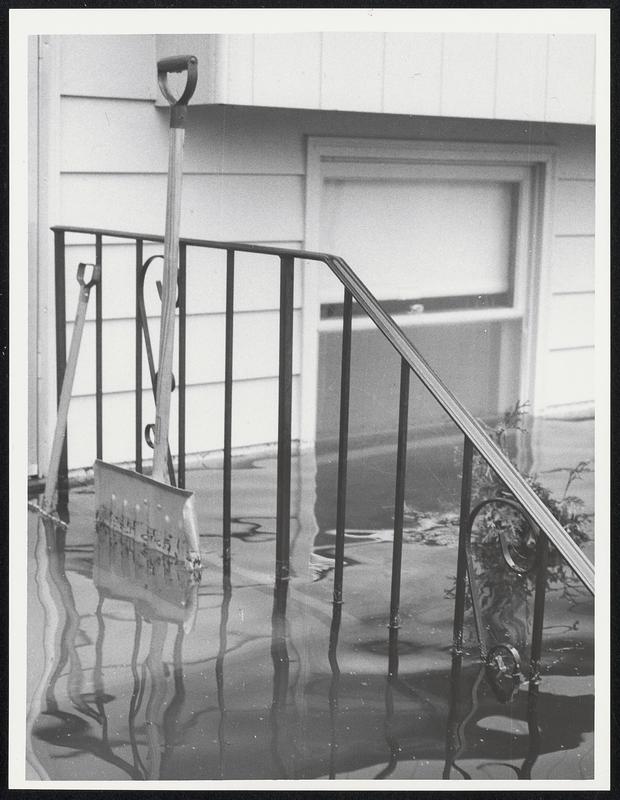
47, 213
325, 154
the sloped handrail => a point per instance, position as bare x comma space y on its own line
462, 418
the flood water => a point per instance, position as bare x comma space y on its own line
138, 671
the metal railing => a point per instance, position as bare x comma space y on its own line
475, 437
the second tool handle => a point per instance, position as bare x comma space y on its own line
171, 256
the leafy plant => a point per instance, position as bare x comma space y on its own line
568, 509
504, 593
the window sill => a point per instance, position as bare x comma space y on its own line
461, 317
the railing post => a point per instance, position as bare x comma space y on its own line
61, 352
461, 568
285, 386
99, 348
138, 338
228, 387
542, 552
182, 293
399, 495
343, 445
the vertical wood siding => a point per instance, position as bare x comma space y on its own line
469, 73
482, 75
412, 73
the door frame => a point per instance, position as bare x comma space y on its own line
43, 203
323, 156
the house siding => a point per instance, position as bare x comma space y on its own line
545, 77
245, 180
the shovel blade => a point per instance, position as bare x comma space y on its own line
158, 516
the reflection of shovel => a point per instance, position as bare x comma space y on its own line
150, 511
159, 587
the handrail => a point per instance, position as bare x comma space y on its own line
469, 425
464, 420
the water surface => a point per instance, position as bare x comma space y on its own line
138, 671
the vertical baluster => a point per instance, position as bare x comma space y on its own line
61, 351
285, 385
182, 294
138, 337
461, 568
343, 444
99, 349
399, 495
228, 387
542, 552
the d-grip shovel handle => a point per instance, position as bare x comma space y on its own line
94, 277
178, 106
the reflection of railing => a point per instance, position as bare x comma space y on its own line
54, 582
458, 720
165, 594
158, 720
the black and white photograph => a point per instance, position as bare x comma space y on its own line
308, 378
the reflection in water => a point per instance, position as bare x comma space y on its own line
165, 595
219, 664
533, 730
154, 721
334, 684
455, 733
73, 731
137, 694
392, 678
460, 720
121, 570
281, 664
46, 531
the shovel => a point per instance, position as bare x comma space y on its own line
149, 510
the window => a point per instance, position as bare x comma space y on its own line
446, 236
426, 237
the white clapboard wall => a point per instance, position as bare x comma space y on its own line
569, 374
245, 180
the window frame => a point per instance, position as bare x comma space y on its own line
534, 170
